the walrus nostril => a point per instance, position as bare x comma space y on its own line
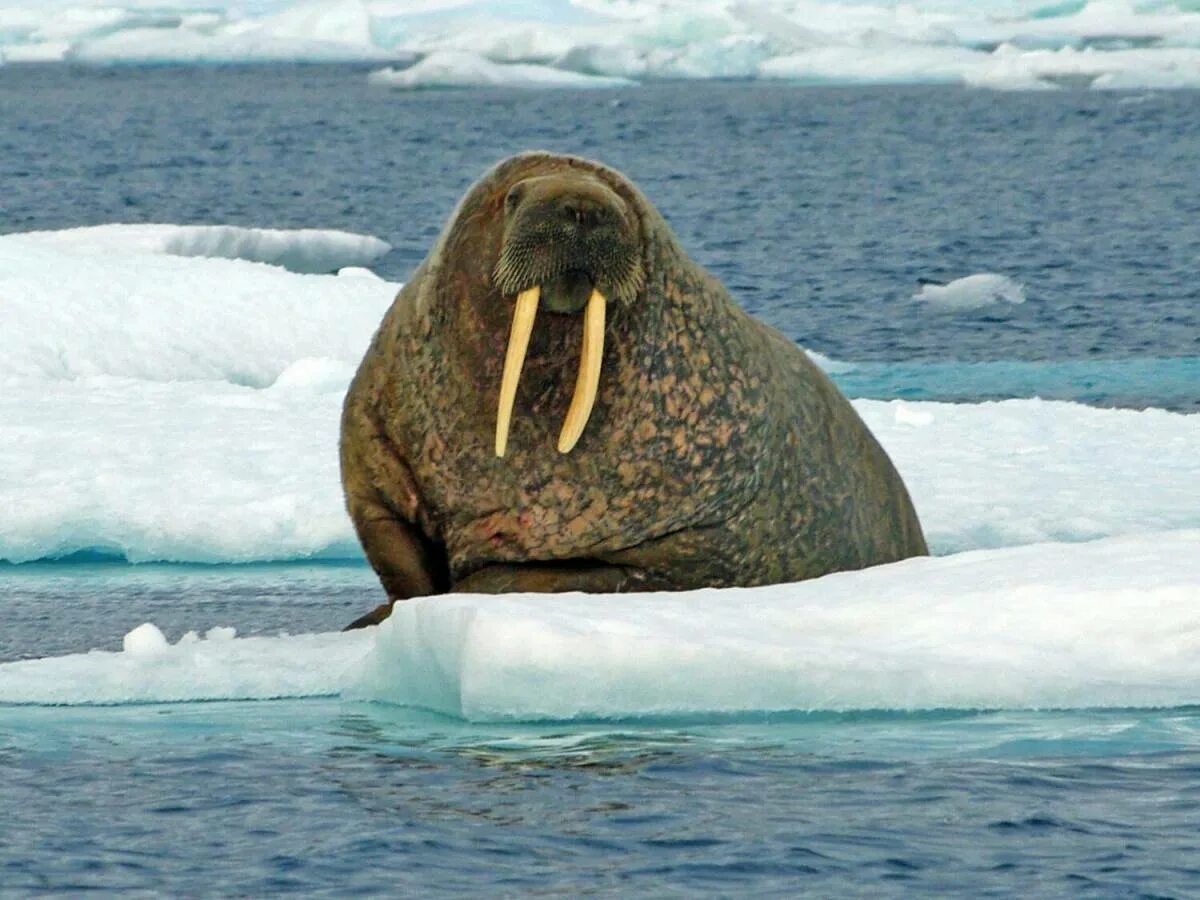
583, 212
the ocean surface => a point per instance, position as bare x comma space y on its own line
822, 208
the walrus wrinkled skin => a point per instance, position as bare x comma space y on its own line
711, 451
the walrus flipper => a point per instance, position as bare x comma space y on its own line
407, 564
374, 617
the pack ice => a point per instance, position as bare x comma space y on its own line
1003, 44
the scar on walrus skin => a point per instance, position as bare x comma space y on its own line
559, 399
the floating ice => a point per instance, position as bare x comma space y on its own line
199, 471
218, 472
306, 250
452, 68
195, 418
1024, 471
1005, 43
1114, 623
157, 317
216, 667
311, 30
1110, 623
874, 65
357, 272
972, 292
828, 364
1011, 68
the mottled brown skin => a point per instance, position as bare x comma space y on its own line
716, 455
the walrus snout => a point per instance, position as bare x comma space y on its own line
567, 235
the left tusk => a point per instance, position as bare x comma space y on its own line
588, 381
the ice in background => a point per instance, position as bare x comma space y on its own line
1006, 44
172, 393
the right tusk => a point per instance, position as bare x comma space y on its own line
588, 381
514, 359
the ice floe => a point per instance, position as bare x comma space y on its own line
304, 250
971, 292
217, 666
156, 310
1103, 624
1112, 623
180, 407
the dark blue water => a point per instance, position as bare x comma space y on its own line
820, 208
342, 798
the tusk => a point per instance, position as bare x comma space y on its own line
514, 359
588, 381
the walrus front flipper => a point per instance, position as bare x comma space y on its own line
408, 564
374, 617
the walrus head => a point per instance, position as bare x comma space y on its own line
571, 244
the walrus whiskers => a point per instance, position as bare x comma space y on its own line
514, 359
587, 383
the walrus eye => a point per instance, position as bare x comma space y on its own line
514, 197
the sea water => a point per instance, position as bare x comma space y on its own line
822, 209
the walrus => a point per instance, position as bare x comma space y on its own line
559, 399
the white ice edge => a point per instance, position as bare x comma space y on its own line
1113, 623
309, 251
192, 669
